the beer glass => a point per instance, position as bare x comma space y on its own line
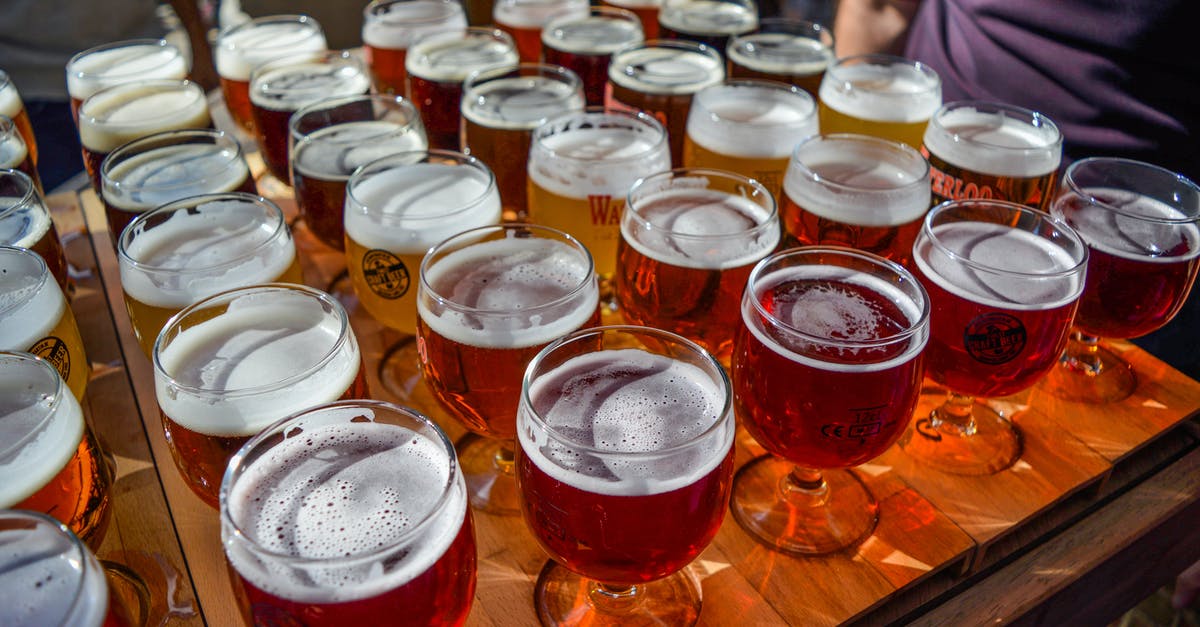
585, 42
332, 138
437, 66
12, 107
349, 513
35, 317
857, 191
827, 369
689, 238
524, 19
782, 49
645, 10
501, 108
1142, 227
169, 166
710, 22
121, 62
117, 115
242, 47
617, 427
390, 27
25, 222
581, 166
992, 150
660, 77
880, 95
279, 88
14, 153
230, 365
489, 299
190, 249
1004, 280
49, 459
749, 127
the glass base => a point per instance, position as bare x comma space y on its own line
1097, 376
989, 444
487, 467
832, 512
400, 368
563, 597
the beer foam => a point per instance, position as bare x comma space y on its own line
751, 121
92, 72
199, 251
821, 309
992, 142
12, 152
665, 70
30, 305
22, 223
590, 34
864, 184
781, 53
585, 162
344, 492
169, 173
38, 433
400, 24
126, 112
1142, 231
10, 100
1002, 249
707, 17
881, 93
533, 14
270, 338
411, 208
605, 404
451, 58
520, 102
335, 152
693, 227
518, 278
290, 87
241, 50
46, 579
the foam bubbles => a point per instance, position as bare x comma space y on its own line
22, 223
92, 72
39, 433
1139, 229
400, 24
127, 112
581, 162
238, 52
519, 103
892, 92
781, 53
590, 34
694, 227
860, 183
169, 173
707, 17
30, 305
994, 142
665, 70
290, 87
751, 121
335, 152
46, 579
452, 58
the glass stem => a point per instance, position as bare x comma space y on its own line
505, 458
955, 415
613, 598
805, 487
1083, 354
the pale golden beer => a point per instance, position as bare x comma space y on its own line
879, 95
188, 250
13, 107
782, 49
35, 317
25, 222
749, 127
121, 62
992, 151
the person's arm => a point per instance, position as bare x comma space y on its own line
866, 26
203, 71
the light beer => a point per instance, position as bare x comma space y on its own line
14, 153
749, 127
121, 62
879, 95
710, 22
12, 107
986, 150
792, 51
232, 364
390, 27
856, 191
585, 43
524, 19
25, 222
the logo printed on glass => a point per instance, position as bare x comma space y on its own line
994, 338
385, 274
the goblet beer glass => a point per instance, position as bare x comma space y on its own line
826, 372
710, 22
121, 62
1004, 280
616, 426
15, 153
230, 365
489, 300
350, 513
689, 238
585, 42
879, 95
390, 27
1142, 226
12, 107
781, 49
25, 222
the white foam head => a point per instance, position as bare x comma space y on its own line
23, 221
520, 102
596, 154
1130, 225
171, 172
10, 98
123, 62
666, 69
408, 209
335, 152
398, 25
13, 150
535, 13
31, 302
696, 227
122, 113
451, 57
272, 353
859, 180
597, 421
41, 426
288, 86
591, 33
999, 140
708, 17
781, 53
882, 89
47, 576
243, 47
751, 119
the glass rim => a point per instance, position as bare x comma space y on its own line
372, 12
598, 115
568, 16
88, 564
40, 267
404, 103
8, 126
281, 18
412, 157
931, 75
473, 237
329, 303
113, 45
56, 397
625, 74
280, 426
724, 415
496, 72
659, 42
905, 151
335, 58
765, 84
6, 80
182, 85
1185, 182
1028, 117
136, 147
28, 199
768, 222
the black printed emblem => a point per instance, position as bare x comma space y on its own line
54, 351
385, 274
994, 338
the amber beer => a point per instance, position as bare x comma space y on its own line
524, 19
376, 491
25, 222
500, 110
660, 77
334, 137
14, 154
121, 62
49, 459
992, 150
242, 47
585, 43
396, 209
781, 49
437, 67
645, 10
12, 107
749, 127
232, 364
390, 27
35, 317
710, 22
879, 95
185, 251
856, 191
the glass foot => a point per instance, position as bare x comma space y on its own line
487, 467
1099, 376
990, 444
563, 597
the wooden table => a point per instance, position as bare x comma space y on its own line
1102, 508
